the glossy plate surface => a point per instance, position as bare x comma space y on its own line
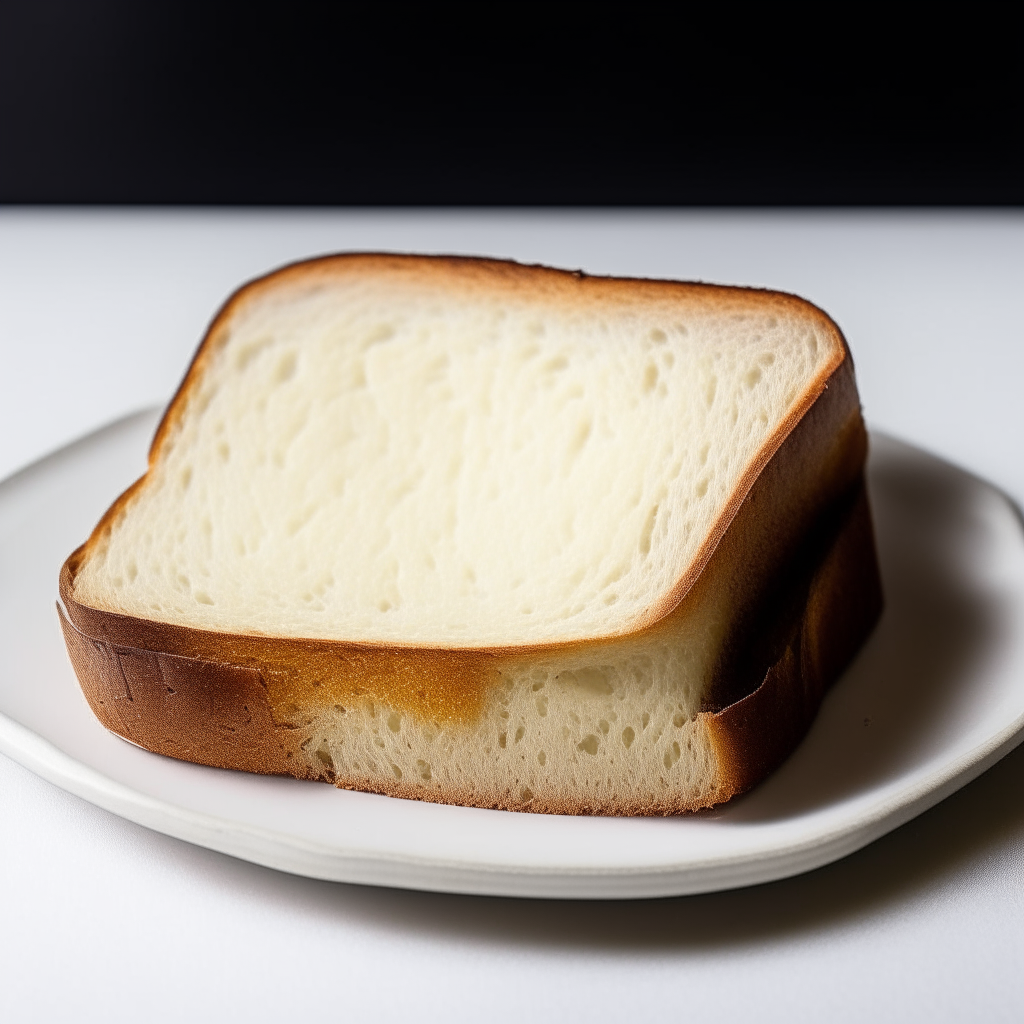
935, 697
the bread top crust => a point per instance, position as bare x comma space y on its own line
469, 278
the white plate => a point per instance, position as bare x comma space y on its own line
935, 697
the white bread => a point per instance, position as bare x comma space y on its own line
482, 533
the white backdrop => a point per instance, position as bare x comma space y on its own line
104, 920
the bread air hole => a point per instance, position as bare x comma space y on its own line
596, 682
644, 544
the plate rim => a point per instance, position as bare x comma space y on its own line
297, 855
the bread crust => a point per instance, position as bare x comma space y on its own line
230, 700
843, 602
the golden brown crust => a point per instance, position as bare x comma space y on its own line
754, 735
206, 712
234, 700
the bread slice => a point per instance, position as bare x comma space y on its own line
481, 533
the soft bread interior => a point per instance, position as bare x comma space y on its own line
373, 457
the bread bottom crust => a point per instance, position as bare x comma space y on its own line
221, 714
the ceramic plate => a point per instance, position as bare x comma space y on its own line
934, 698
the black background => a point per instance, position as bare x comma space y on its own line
180, 103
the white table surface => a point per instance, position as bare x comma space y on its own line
101, 919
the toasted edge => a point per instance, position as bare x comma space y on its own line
844, 602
